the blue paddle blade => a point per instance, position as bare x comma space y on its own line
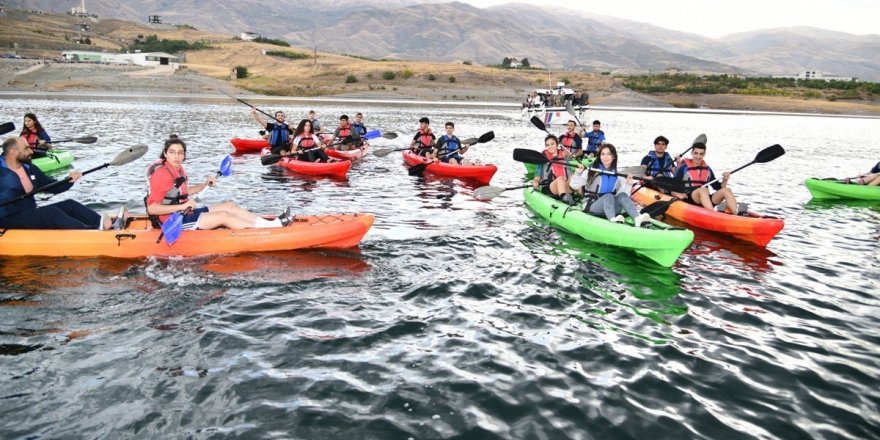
372, 134
172, 227
226, 166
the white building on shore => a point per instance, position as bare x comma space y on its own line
817, 74
149, 59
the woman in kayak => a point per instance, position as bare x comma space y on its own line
872, 178
35, 135
609, 194
309, 145
554, 176
169, 193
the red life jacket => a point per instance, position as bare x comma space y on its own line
30, 136
424, 138
306, 142
567, 139
557, 168
344, 132
697, 174
177, 194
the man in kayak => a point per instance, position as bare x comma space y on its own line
696, 173
449, 147
18, 176
316, 124
658, 162
279, 132
595, 138
423, 141
169, 193
347, 136
358, 124
872, 178
572, 141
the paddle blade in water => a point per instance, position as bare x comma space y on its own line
389, 135
372, 134
529, 156
129, 154
86, 140
382, 152
226, 166
769, 153
537, 122
418, 169
7, 127
488, 192
172, 227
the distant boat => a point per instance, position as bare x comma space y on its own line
549, 105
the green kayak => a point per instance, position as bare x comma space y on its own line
54, 160
657, 241
835, 189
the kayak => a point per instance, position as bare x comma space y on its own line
54, 160
480, 173
336, 169
248, 145
354, 154
834, 189
532, 168
755, 227
658, 242
140, 239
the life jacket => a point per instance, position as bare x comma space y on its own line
607, 182
696, 175
360, 128
179, 192
593, 139
279, 137
30, 136
659, 166
306, 142
555, 168
451, 144
424, 139
344, 132
567, 140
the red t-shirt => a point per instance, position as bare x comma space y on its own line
161, 181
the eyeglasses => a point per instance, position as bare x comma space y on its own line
175, 152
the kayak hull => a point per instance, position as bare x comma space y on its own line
479, 173
756, 228
54, 160
140, 239
248, 145
659, 242
835, 189
337, 169
354, 154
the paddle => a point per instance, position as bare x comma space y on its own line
570, 109
766, 155
79, 140
173, 225
250, 105
125, 156
538, 158
6, 127
225, 171
418, 169
489, 192
271, 159
539, 124
372, 134
382, 152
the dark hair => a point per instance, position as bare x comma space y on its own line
450, 124
301, 127
596, 122
661, 139
343, 118
425, 120
358, 114
172, 140
699, 145
9, 143
595, 165
37, 126
279, 111
550, 136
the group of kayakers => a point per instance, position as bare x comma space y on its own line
306, 141
448, 148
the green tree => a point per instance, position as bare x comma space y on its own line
525, 62
505, 62
241, 72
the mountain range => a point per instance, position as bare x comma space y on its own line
548, 37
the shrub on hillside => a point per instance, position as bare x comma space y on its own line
272, 41
351, 79
452, 79
388, 75
241, 72
406, 73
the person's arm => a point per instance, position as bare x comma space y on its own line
44, 140
258, 118
160, 209
718, 185
415, 142
41, 180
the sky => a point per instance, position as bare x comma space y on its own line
716, 19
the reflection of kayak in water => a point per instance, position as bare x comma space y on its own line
33, 275
288, 266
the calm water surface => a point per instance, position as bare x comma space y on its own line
456, 318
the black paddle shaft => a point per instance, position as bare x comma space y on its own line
50, 186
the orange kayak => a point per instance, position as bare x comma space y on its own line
140, 239
756, 228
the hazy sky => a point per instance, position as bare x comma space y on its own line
716, 19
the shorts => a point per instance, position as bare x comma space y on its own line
451, 156
191, 220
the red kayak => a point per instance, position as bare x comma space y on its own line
354, 154
754, 227
480, 173
333, 169
248, 145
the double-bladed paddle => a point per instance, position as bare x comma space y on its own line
225, 171
418, 169
173, 225
6, 127
489, 192
125, 156
250, 105
79, 140
766, 155
537, 158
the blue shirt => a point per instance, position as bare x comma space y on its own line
594, 139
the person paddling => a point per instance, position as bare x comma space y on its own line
696, 172
449, 147
347, 136
169, 193
18, 176
658, 162
872, 178
35, 135
278, 132
423, 141
608, 194
309, 146
553, 177
595, 138
572, 141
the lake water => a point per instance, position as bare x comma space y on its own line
456, 318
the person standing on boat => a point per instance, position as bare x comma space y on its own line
423, 141
316, 124
309, 145
450, 147
169, 193
18, 176
358, 124
553, 177
595, 138
695, 172
572, 141
347, 136
658, 162
278, 131
35, 135
609, 194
